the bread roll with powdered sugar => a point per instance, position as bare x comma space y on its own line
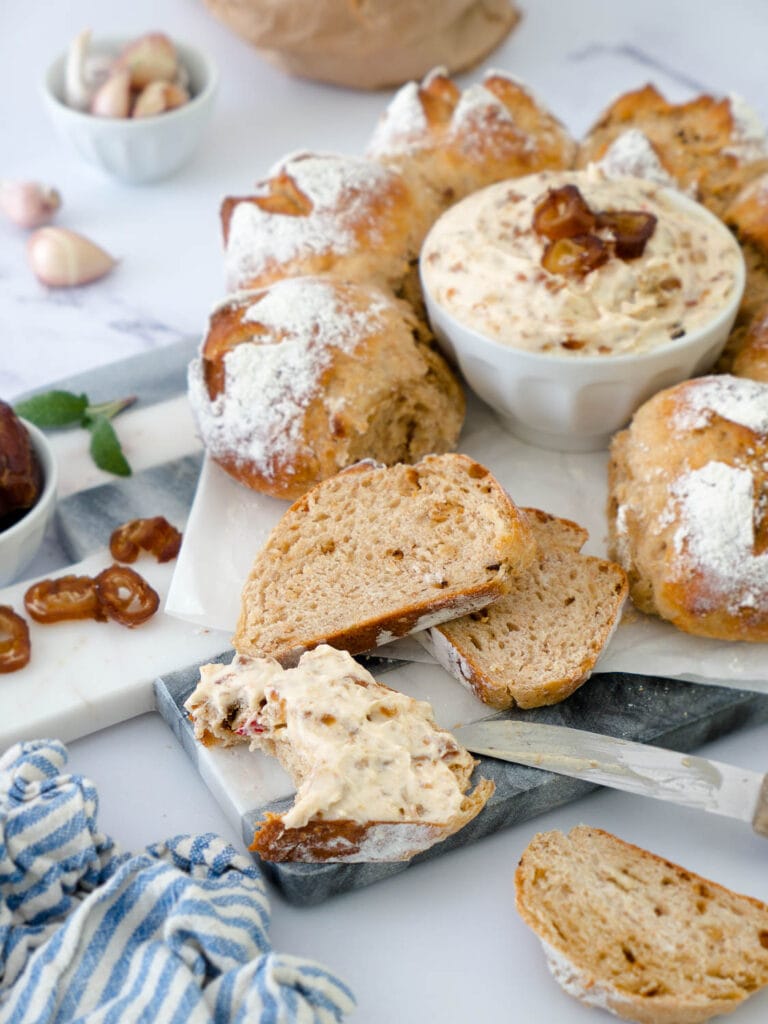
688, 507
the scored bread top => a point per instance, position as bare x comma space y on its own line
322, 213
375, 553
713, 145
376, 778
637, 935
540, 641
461, 141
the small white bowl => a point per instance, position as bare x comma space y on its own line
19, 543
576, 403
136, 150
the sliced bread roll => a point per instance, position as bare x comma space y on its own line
375, 553
376, 779
629, 932
540, 641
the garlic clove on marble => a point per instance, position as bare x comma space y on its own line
157, 98
113, 98
151, 58
27, 203
77, 91
62, 258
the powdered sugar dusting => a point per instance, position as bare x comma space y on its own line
269, 382
341, 191
475, 105
715, 506
737, 399
750, 141
632, 154
403, 125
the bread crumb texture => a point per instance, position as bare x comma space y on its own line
376, 553
636, 934
540, 641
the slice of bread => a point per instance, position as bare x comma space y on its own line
375, 553
376, 779
634, 934
540, 641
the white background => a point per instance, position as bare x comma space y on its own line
441, 941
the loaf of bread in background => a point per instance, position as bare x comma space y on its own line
376, 779
311, 375
375, 553
626, 931
540, 641
688, 507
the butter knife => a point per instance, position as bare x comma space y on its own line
622, 764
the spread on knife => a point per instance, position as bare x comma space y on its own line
574, 262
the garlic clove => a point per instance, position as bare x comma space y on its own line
62, 258
158, 97
27, 203
77, 92
151, 58
113, 99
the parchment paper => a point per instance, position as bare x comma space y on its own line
228, 524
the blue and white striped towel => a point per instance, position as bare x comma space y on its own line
176, 934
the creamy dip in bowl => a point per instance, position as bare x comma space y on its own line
568, 298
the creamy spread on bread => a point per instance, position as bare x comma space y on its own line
357, 750
482, 262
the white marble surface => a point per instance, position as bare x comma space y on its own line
442, 941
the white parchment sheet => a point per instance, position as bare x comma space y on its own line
228, 524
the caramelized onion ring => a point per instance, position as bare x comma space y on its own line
65, 598
125, 596
155, 535
15, 647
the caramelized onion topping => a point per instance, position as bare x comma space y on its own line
63, 599
155, 535
15, 648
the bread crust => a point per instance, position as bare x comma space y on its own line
583, 973
368, 386
692, 544
351, 842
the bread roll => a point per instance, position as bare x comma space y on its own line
458, 142
297, 381
688, 507
325, 214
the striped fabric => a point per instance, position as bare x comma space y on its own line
175, 934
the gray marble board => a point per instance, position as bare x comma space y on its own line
675, 714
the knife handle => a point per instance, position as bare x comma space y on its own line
760, 819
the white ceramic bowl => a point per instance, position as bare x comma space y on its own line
20, 542
576, 403
142, 149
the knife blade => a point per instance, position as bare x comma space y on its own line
624, 764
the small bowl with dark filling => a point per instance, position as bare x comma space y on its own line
568, 298
28, 478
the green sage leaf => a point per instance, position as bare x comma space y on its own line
106, 451
53, 409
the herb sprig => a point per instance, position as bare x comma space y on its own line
59, 409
